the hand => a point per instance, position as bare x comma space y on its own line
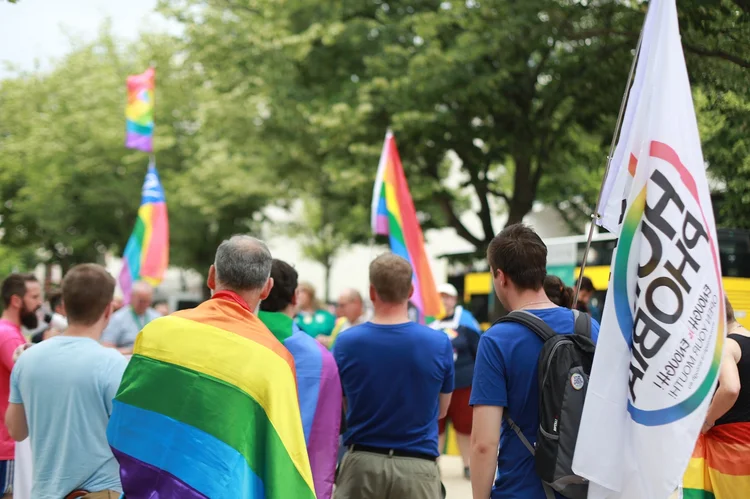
18, 351
706, 426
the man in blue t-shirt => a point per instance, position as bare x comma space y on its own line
505, 373
397, 378
61, 393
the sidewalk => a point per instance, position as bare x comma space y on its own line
452, 472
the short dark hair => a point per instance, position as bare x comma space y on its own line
54, 298
87, 290
557, 292
730, 311
284, 286
522, 256
391, 276
15, 285
587, 285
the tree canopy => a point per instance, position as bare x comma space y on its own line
267, 103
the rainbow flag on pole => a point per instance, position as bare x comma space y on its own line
146, 254
208, 408
393, 214
719, 467
139, 112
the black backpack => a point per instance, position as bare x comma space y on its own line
564, 369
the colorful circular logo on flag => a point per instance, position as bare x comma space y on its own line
678, 290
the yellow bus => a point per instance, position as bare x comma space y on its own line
565, 253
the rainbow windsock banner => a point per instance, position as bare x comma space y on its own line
139, 112
393, 214
146, 254
208, 408
657, 359
719, 468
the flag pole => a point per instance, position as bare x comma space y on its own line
597, 215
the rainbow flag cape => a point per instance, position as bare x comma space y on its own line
719, 467
139, 112
208, 408
320, 396
146, 254
393, 214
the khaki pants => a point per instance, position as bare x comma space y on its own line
366, 475
103, 494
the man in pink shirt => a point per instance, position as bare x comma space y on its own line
22, 297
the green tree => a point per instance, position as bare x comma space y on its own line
523, 93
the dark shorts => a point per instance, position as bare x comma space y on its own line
6, 476
459, 412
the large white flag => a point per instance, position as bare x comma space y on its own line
662, 334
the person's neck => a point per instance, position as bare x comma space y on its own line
390, 313
530, 300
308, 310
139, 314
13, 316
79, 331
251, 298
288, 311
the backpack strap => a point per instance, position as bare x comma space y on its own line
548, 492
531, 321
582, 323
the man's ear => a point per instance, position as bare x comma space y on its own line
294, 297
211, 281
266, 289
16, 302
411, 291
373, 294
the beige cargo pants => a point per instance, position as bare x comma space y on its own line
366, 475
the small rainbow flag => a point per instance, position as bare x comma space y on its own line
139, 111
719, 467
146, 254
393, 214
208, 408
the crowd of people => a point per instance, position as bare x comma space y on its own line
372, 395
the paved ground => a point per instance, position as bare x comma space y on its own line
452, 471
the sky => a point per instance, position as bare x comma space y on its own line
36, 32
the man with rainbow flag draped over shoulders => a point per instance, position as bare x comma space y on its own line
208, 404
318, 380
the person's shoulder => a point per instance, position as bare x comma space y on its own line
120, 315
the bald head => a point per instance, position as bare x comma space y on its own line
141, 296
350, 305
243, 263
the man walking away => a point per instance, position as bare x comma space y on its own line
318, 381
505, 376
62, 391
22, 297
127, 322
397, 378
208, 404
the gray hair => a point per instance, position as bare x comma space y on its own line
242, 263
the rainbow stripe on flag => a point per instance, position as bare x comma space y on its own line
393, 214
719, 467
139, 112
208, 408
146, 254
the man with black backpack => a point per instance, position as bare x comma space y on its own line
530, 378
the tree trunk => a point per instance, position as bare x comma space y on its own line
327, 285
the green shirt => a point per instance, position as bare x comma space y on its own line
320, 322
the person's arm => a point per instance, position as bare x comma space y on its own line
445, 402
15, 420
446, 391
489, 397
15, 417
485, 440
729, 385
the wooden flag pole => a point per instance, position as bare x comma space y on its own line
597, 214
